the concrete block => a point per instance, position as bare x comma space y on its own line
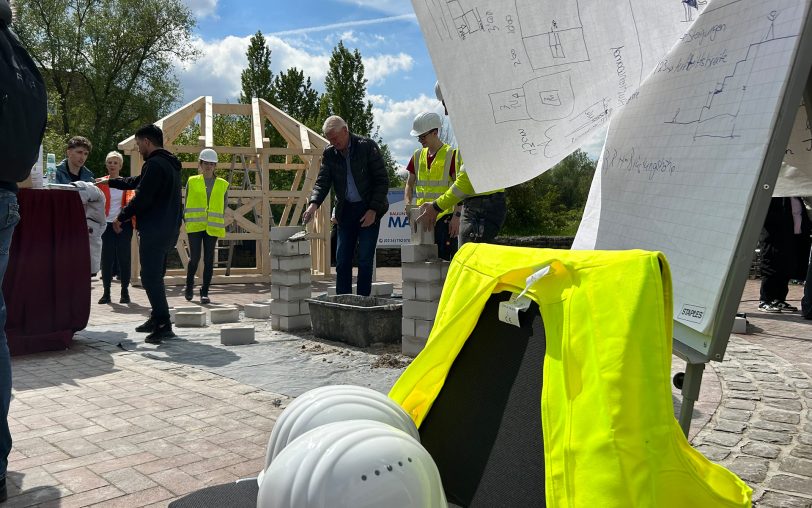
196, 319
412, 346
419, 309
225, 315
290, 293
422, 328
286, 308
426, 291
282, 233
288, 323
740, 325
411, 253
289, 263
427, 271
257, 311
290, 248
444, 268
172, 313
189, 308
382, 289
236, 335
265, 301
290, 278
407, 327
419, 235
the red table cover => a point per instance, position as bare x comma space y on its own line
47, 284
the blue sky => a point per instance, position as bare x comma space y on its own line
302, 34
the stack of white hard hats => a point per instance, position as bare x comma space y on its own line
347, 446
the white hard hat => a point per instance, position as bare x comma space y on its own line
208, 155
437, 92
425, 122
353, 464
329, 404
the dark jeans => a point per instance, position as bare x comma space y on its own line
9, 217
482, 218
776, 262
116, 251
153, 249
446, 244
806, 301
197, 240
350, 235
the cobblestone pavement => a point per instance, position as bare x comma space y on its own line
101, 425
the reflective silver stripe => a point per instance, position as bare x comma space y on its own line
194, 210
432, 183
457, 192
215, 214
431, 195
447, 165
195, 219
215, 225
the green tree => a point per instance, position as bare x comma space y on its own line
257, 78
295, 95
345, 90
109, 62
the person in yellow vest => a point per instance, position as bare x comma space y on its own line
115, 245
483, 213
204, 214
432, 169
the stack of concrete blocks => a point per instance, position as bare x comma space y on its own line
423, 277
290, 280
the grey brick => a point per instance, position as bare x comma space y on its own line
747, 387
773, 426
738, 415
712, 452
772, 499
730, 426
722, 438
797, 466
760, 376
791, 484
740, 404
780, 394
763, 450
802, 451
733, 394
780, 416
750, 469
767, 436
789, 405
805, 439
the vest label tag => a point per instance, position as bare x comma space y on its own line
509, 310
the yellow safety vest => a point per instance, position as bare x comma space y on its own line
433, 181
201, 215
610, 436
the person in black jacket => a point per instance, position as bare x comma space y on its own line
353, 165
23, 113
158, 207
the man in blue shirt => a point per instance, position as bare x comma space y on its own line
353, 165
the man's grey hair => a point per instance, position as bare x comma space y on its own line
333, 124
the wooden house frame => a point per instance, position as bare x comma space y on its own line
302, 143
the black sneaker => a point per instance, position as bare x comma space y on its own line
147, 327
105, 298
188, 293
784, 306
161, 332
204, 300
768, 308
125, 296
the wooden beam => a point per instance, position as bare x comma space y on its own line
257, 130
304, 137
232, 109
207, 123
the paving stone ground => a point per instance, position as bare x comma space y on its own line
103, 425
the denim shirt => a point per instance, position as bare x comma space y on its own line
353, 196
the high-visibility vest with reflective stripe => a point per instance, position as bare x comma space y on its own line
433, 181
201, 215
460, 190
610, 436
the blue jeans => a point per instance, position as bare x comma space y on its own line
350, 234
9, 217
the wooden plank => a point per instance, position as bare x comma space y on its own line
128, 144
257, 131
207, 122
286, 167
304, 137
232, 109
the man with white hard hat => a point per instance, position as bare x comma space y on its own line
483, 213
432, 169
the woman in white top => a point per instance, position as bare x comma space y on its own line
115, 246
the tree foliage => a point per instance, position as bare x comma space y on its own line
295, 95
109, 62
551, 203
257, 78
345, 90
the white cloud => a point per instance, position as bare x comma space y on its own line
387, 6
377, 68
348, 36
202, 8
395, 119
